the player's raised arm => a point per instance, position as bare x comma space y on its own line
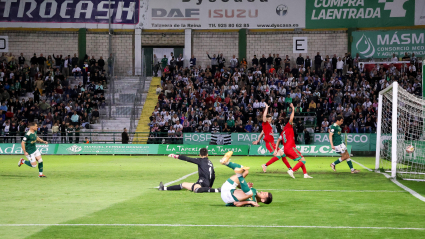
259, 138
266, 110
184, 158
291, 118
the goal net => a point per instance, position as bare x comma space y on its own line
400, 124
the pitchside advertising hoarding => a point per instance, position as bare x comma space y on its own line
359, 142
224, 14
359, 13
383, 44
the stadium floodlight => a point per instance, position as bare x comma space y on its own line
400, 126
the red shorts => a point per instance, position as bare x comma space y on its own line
293, 153
271, 146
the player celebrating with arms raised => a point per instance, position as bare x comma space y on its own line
205, 171
30, 150
288, 140
269, 139
247, 195
339, 146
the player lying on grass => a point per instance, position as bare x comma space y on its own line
339, 146
247, 195
30, 150
205, 171
288, 140
269, 140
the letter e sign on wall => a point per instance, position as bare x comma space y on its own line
300, 45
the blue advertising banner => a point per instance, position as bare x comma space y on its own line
69, 11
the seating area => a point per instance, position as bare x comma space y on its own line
221, 98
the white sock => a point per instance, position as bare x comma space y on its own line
40, 173
239, 175
165, 188
216, 190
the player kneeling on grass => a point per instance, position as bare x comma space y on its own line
339, 146
205, 171
245, 196
31, 151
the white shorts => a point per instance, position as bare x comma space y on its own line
340, 149
31, 157
226, 193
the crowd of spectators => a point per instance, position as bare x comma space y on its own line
59, 108
224, 99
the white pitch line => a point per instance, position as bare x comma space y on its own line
414, 193
192, 225
185, 176
344, 191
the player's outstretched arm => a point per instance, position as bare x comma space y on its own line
259, 138
184, 158
266, 110
41, 141
291, 118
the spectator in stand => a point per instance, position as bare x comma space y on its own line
76, 71
110, 65
394, 58
101, 64
124, 137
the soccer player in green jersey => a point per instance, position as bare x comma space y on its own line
30, 150
338, 145
245, 196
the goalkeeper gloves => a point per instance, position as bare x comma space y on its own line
173, 156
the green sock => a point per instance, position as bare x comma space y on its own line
244, 185
40, 167
337, 161
350, 164
27, 163
233, 165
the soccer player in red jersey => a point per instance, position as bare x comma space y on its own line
269, 139
288, 140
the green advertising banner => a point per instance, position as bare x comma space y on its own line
383, 44
358, 142
17, 149
306, 150
194, 149
359, 13
107, 149
237, 138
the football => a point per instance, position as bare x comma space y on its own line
410, 149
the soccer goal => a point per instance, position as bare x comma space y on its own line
400, 124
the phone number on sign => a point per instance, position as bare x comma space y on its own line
224, 25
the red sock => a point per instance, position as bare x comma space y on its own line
297, 166
304, 169
285, 161
274, 159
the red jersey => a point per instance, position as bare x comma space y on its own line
287, 136
268, 132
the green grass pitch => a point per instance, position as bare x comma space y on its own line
121, 190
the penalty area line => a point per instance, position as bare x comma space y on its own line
414, 193
343, 191
192, 225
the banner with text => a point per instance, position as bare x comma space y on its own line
17, 149
305, 150
68, 13
358, 142
223, 14
194, 149
359, 13
383, 44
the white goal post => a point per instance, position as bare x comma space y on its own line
400, 124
